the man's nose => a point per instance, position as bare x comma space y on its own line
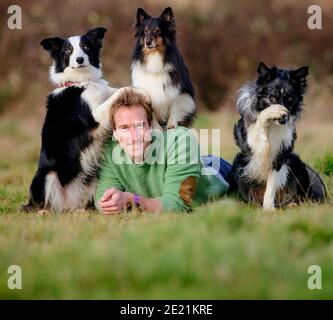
79, 60
136, 134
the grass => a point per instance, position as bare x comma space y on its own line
222, 250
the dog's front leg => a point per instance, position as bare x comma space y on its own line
182, 111
101, 112
275, 181
271, 187
259, 142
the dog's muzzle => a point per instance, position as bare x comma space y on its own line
284, 119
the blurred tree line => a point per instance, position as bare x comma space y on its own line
222, 41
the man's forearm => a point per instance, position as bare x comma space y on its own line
147, 204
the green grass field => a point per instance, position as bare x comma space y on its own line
222, 250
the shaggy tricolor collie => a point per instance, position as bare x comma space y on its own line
267, 172
159, 69
75, 125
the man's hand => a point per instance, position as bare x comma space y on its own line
114, 201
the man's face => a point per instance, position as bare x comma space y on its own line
132, 130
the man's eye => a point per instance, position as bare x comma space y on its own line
140, 125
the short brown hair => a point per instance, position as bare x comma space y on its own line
127, 97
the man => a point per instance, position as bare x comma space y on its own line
152, 170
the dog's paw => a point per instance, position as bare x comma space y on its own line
171, 124
156, 125
268, 207
42, 212
277, 113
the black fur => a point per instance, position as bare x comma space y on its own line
151, 29
65, 134
68, 125
166, 23
287, 88
61, 49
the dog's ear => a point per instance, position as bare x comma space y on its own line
167, 14
299, 74
52, 45
263, 70
265, 73
96, 36
141, 15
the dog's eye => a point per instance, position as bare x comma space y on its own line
158, 30
146, 30
273, 99
68, 51
290, 99
85, 47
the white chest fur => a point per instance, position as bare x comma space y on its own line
96, 93
153, 77
77, 193
265, 144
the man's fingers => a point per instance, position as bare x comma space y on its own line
108, 193
108, 203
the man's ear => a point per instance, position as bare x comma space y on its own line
96, 36
299, 74
265, 73
141, 15
52, 45
167, 14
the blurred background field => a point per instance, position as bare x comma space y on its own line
228, 250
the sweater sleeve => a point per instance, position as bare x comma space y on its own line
107, 178
182, 171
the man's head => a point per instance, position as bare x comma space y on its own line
131, 117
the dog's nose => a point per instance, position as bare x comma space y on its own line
79, 60
284, 119
148, 42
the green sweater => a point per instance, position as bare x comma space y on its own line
172, 157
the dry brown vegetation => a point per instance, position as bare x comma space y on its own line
222, 42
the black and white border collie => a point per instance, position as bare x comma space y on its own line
267, 172
159, 69
75, 125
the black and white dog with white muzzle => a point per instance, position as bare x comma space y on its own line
267, 172
75, 126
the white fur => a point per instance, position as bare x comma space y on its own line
245, 99
259, 164
76, 194
275, 181
53, 192
72, 197
180, 108
153, 77
266, 138
77, 53
89, 73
